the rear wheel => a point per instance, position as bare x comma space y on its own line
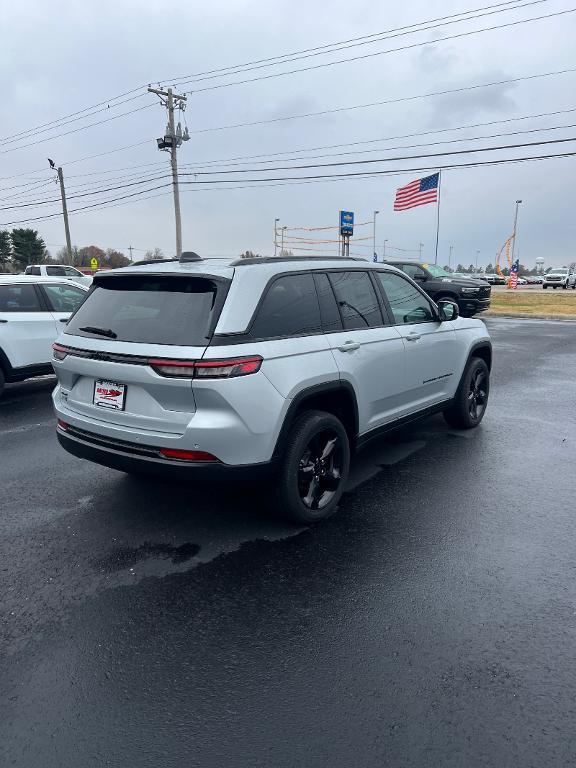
565, 286
2, 381
314, 467
469, 405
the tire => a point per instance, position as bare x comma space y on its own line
554, 287
544, 287
469, 405
317, 442
2, 381
565, 286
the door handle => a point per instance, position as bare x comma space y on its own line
64, 319
412, 336
349, 346
3, 321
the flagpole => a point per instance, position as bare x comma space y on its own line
438, 217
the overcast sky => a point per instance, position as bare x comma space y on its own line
59, 57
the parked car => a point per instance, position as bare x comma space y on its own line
280, 366
522, 281
562, 277
494, 278
32, 311
471, 295
59, 270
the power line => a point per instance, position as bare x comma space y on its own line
307, 166
376, 37
382, 53
355, 176
398, 100
76, 130
272, 61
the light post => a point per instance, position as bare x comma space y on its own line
477, 254
450, 256
420, 246
514, 230
282, 247
374, 255
276, 235
384, 249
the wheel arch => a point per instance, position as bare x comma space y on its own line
483, 350
335, 397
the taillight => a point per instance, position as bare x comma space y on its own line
60, 351
63, 424
207, 369
176, 453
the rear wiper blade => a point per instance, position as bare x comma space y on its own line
100, 331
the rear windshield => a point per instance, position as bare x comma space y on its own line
158, 310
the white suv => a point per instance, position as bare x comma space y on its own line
561, 277
59, 270
283, 364
32, 311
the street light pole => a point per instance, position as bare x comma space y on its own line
374, 254
384, 249
282, 248
477, 254
420, 246
276, 235
450, 255
514, 230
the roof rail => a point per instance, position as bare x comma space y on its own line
150, 261
273, 259
187, 256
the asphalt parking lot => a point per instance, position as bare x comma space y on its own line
432, 622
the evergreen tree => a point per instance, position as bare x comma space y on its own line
28, 247
5, 248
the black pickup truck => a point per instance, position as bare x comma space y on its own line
471, 295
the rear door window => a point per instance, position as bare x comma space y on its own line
157, 309
357, 300
19, 298
33, 271
62, 297
289, 308
55, 271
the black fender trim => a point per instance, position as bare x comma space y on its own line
310, 393
484, 345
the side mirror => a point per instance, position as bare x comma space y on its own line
447, 310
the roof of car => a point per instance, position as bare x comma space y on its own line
225, 266
7, 279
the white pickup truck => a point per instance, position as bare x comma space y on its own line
562, 277
59, 270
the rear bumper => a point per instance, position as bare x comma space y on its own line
138, 459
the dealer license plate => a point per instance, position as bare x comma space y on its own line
109, 394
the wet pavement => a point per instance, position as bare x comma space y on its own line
432, 622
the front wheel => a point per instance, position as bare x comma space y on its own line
544, 287
565, 286
469, 405
314, 467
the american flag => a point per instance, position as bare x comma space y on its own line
418, 192
513, 281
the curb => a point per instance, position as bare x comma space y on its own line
524, 316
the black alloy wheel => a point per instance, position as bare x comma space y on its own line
320, 470
478, 394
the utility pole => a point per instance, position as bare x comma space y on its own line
282, 247
276, 236
420, 246
477, 254
384, 249
514, 230
60, 173
450, 255
130, 249
374, 254
170, 142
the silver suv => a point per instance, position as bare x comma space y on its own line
279, 364
562, 277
